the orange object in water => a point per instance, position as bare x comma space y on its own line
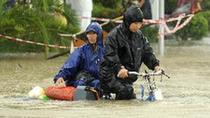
60, 93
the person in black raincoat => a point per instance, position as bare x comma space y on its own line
126, 48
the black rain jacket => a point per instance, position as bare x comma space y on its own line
126, 48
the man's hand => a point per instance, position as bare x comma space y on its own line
123, 73
158, 69
60, 82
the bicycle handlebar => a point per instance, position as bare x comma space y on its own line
148, 74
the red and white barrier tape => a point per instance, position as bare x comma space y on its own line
159, 21
31, 42
146, 21
102, 19
178, 24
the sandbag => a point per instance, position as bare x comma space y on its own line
60, 93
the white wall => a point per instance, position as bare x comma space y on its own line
83, 8
155, 8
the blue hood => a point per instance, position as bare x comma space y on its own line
95, 27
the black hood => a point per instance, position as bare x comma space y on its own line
133, 14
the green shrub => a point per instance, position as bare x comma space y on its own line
170, 6
206, 15
205, 4
36, 25
108, 3
101, 11
151, 33
196, 29
105, 12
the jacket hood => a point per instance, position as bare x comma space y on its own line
95, 27
133, 14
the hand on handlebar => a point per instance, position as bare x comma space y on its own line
158, 70
123, 73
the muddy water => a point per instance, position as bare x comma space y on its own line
186, 94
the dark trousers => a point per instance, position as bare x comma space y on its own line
123, 90
84, 79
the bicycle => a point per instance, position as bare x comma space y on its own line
154, 92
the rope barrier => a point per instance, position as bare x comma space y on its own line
177, 27
151, 21
178, 24
32, 42
102, 19
105, 23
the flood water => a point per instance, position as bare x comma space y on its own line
186, 94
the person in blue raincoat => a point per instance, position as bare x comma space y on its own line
82, 67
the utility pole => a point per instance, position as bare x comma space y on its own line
161, 27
